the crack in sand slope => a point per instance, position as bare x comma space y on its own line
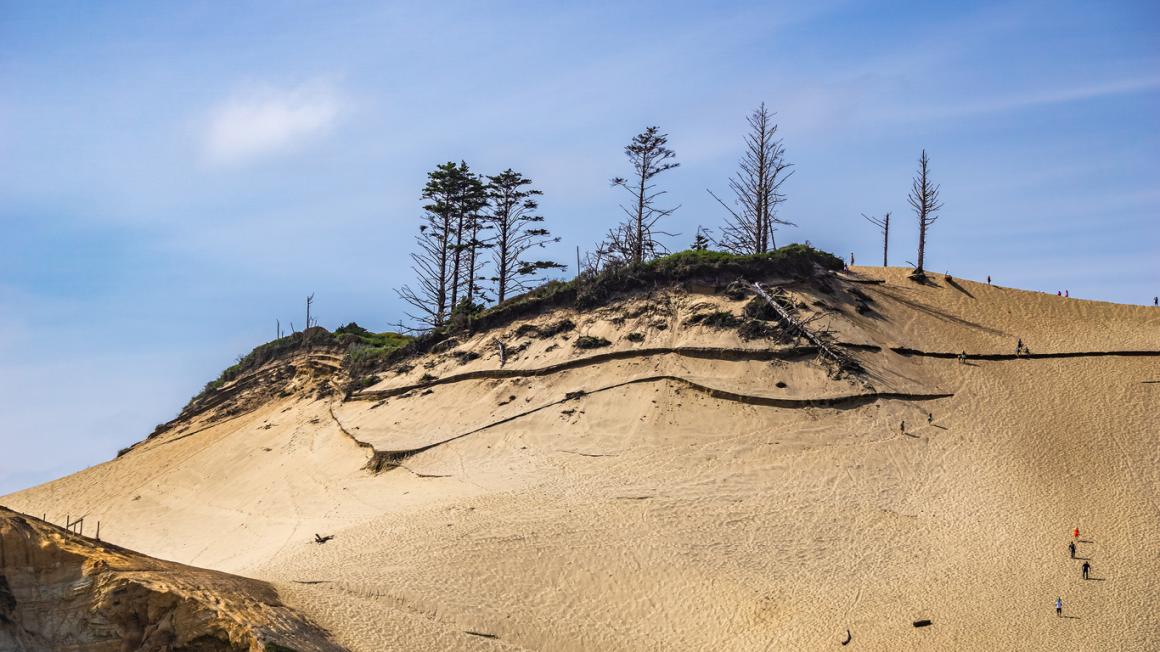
902, 350
703, 353
386, 459
715, 353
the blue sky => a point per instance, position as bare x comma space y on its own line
175, 177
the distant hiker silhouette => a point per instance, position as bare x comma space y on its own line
988, 279
1071, 549
1066, 294
851, 258
963, 358
1058, 293
902, 427
929, 418
1086, 569
1018, 345
1059, 606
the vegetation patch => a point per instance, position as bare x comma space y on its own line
463, 357
549, 330
715, 319
590, 342
592, 289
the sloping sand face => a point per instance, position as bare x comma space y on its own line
61, 591
692, 489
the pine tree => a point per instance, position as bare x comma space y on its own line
634, 240
431, 262
512, 215
701, 241
446, 263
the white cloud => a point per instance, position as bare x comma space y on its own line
263, 121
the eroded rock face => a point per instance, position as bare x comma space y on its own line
61, 591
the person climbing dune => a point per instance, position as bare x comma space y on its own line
1087, 567
1059, 606
1071, 549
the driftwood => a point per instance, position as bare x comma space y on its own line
322, 539
826, 348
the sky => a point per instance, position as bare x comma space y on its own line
174, 177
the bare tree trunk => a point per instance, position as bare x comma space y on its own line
883, 224
456, 252
885, 239
638, 249
306, 331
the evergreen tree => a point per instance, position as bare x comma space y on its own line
701, 241
446, 264
634, 240
512, 215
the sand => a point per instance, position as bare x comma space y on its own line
686, 501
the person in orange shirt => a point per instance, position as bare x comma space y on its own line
1076, 533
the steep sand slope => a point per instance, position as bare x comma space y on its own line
677, 498
61, 591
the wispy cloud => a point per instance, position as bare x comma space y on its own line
1041, 97
263, 121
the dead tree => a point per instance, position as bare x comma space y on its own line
518, 229
923, 198
306, 331
883, 224
756, 189
822, 341
634, 240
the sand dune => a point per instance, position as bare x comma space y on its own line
650, 494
